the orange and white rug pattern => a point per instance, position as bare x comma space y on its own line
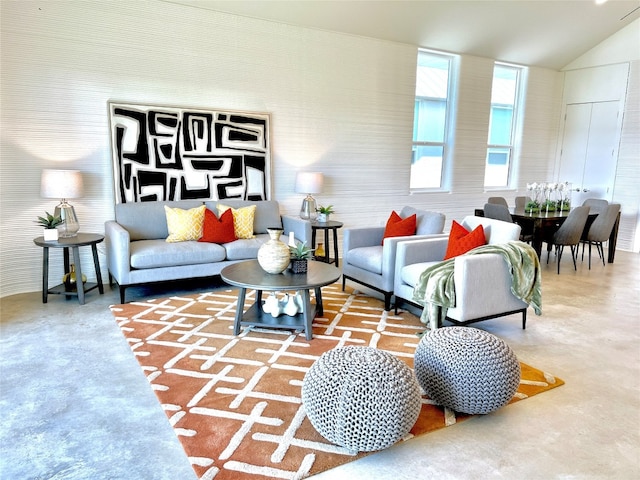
234, 401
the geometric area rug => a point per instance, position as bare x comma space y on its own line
234, 401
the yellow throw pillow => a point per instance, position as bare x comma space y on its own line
242, 219
184, 225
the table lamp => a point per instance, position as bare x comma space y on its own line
309, 183
63, 184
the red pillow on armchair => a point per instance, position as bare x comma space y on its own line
399, 227
462, 240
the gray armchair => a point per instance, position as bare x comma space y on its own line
482, 282
369, 262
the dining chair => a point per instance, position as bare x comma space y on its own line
600, 230
521, 202
597, 205
500, 212
498, 201
497, 212
569, 234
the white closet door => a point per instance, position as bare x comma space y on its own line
589, 148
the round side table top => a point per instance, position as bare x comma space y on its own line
80, 240
329, 224
249, 274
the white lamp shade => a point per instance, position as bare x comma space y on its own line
61, 184
309, 182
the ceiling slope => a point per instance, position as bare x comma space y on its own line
541, 33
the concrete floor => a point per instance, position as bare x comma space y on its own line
74, 403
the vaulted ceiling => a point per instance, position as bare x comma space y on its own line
548, 34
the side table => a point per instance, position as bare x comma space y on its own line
326, 226
73, 243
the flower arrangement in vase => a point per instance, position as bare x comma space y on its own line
564, 191
324, 212
50, 224
534, 205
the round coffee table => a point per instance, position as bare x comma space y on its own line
249, 275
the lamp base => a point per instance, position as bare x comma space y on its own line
308, 208
70, 227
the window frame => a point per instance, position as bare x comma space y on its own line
448, 121
513, 147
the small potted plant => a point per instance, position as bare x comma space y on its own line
324, 212
50, 224
300, 255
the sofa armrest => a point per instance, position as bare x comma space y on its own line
390, 248
361, 237
419, 251
481, 282
301, 228
117, 241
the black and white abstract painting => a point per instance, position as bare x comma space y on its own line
173, 153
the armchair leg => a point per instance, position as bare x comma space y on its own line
524, 319
344, 282
387, 301
122, 293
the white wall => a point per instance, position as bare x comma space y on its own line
592, 78
340, 104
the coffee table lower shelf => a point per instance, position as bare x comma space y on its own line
255, 317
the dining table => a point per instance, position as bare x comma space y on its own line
543, 224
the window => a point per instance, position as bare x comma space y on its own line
502, 124
430, 120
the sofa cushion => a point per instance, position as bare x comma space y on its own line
147, 220
243, 249
218, 230
158, 253
184, 225
367, 258
399, 227
411, 273
267, 212
427, 223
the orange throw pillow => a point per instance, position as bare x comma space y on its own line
217, 230
461, 240
399, 227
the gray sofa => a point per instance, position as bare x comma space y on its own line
137, 252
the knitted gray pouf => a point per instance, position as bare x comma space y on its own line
466, 369
361, 398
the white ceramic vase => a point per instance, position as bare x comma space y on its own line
274, 256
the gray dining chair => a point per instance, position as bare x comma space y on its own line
498, 201
521, 202
570, 233
500, 212
597, 205
600, 229
497, 212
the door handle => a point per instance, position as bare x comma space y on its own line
585, 190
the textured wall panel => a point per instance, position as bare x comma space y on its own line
339, 104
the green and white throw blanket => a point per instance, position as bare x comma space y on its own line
436, 289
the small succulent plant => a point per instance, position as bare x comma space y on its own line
301, 251
50, 221
325, 210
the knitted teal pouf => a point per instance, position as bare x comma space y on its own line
466, 369
361, 398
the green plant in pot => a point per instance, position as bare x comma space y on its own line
324, 212
300, 255
50, 224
